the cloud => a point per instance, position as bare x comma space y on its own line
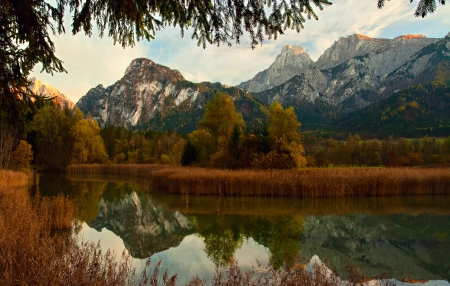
92, 61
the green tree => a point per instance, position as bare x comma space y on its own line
189, 154
203, 142
53, 139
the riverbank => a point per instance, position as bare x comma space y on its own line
316, 182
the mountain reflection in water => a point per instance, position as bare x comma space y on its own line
405, 238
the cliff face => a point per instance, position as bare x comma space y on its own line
144, 226
59, 98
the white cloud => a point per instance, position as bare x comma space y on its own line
92, 61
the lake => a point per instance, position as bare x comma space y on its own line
399, 238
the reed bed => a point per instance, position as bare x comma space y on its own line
29, 255
319, 182
11, 179
56, 213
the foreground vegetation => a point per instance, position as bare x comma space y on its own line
336, 182
31, 255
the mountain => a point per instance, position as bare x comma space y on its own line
44, 89
150, 95
292, 61
356, 72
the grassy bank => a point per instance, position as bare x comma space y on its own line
318, 182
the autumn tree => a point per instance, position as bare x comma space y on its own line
22, 156
220, 119
284, 134
88, 145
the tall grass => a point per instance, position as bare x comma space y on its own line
11, 179
317, 182
29, 255
55, 212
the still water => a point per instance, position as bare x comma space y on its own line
401, 238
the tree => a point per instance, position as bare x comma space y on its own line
25, 27
8, 140
189, 154
88, 145
221, 119
284, 134
53, 140
22, 156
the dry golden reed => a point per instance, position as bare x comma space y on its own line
11, 179
55, 212
318, 182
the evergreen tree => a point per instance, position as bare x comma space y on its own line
189, 155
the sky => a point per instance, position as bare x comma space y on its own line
91, 61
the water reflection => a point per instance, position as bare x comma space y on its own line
406, 238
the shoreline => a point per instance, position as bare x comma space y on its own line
316, 182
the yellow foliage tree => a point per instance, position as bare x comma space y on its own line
284, 133
220, 119
22, 156
88, 145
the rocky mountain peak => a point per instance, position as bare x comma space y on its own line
138, 63
296, 49
291, 61
144, 68
39, 88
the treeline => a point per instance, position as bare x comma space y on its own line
222, 140
388, 152
56, 139
142, 147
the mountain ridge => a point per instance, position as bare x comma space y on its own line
59, 98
